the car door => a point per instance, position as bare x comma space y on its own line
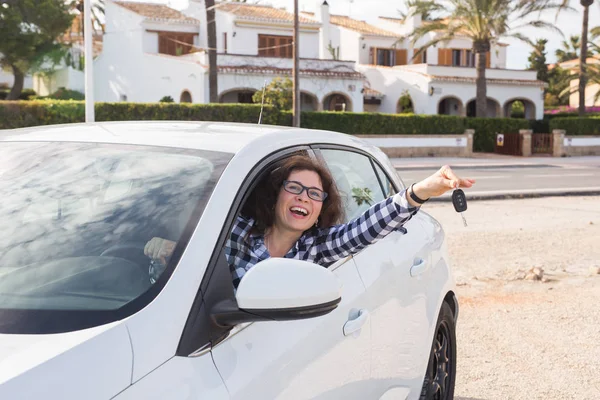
394, 271
326, 357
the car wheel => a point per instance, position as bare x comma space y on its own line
441, 369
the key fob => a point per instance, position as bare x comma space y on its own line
459, 200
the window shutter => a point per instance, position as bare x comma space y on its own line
401, 57
373, 60
262, 43
444, 56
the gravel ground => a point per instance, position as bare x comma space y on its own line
519, 338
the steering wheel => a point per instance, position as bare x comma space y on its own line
134, 251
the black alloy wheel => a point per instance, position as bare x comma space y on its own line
441, 369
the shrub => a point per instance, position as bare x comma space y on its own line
577, 126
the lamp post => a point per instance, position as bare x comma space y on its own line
295, 71
89, 62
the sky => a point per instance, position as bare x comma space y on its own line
369, 10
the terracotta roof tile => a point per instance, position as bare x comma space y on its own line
359, 26
261, 13
396, 20
268, 70
156, 12
461, 79
368, 92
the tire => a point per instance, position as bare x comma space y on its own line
441, 368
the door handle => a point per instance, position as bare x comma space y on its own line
354, 325
419, 266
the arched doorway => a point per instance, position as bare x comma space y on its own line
519, 108
308, 102
185, 97
337, 102
243, 96
493, 108
450, 106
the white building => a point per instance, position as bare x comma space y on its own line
151, 51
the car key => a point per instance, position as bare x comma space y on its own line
460, 203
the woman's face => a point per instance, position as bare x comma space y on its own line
298, 212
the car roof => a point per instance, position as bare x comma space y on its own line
204, 135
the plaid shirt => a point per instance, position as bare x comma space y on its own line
322, 246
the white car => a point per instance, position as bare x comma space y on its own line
85, 315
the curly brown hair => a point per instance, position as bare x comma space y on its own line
261, 203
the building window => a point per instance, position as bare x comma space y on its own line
456, 58
225, 42
175, 43
275, 46
387, 57
459, 58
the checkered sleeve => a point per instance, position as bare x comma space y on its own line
237, 251
374, 224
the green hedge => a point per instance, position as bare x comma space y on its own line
32, 113
486, 129
383, 124
577, 126
45, 112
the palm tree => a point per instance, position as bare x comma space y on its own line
583, 55
595, 32
97, 7
569, 50
211, 34
484, 22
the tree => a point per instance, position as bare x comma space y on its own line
583, 54
484, 22
537, 60
211, 34
569, 50
278, 93
29, 30
558, 82
595, 32
97, 7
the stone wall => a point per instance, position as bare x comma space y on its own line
397, 146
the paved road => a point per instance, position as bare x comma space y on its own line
514, 178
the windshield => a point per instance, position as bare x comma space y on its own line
75, 220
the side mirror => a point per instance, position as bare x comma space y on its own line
280, 289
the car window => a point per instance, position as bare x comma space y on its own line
76, 218
387, 185
356, 180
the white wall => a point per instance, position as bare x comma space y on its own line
64, 77
319, 87
393, 82
246, 37
590, 94
349, 42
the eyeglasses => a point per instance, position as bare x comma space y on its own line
314, 193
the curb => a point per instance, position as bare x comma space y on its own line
524, 195
414, 167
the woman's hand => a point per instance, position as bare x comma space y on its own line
439, 183
159, 249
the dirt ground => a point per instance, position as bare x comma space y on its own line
521, 338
